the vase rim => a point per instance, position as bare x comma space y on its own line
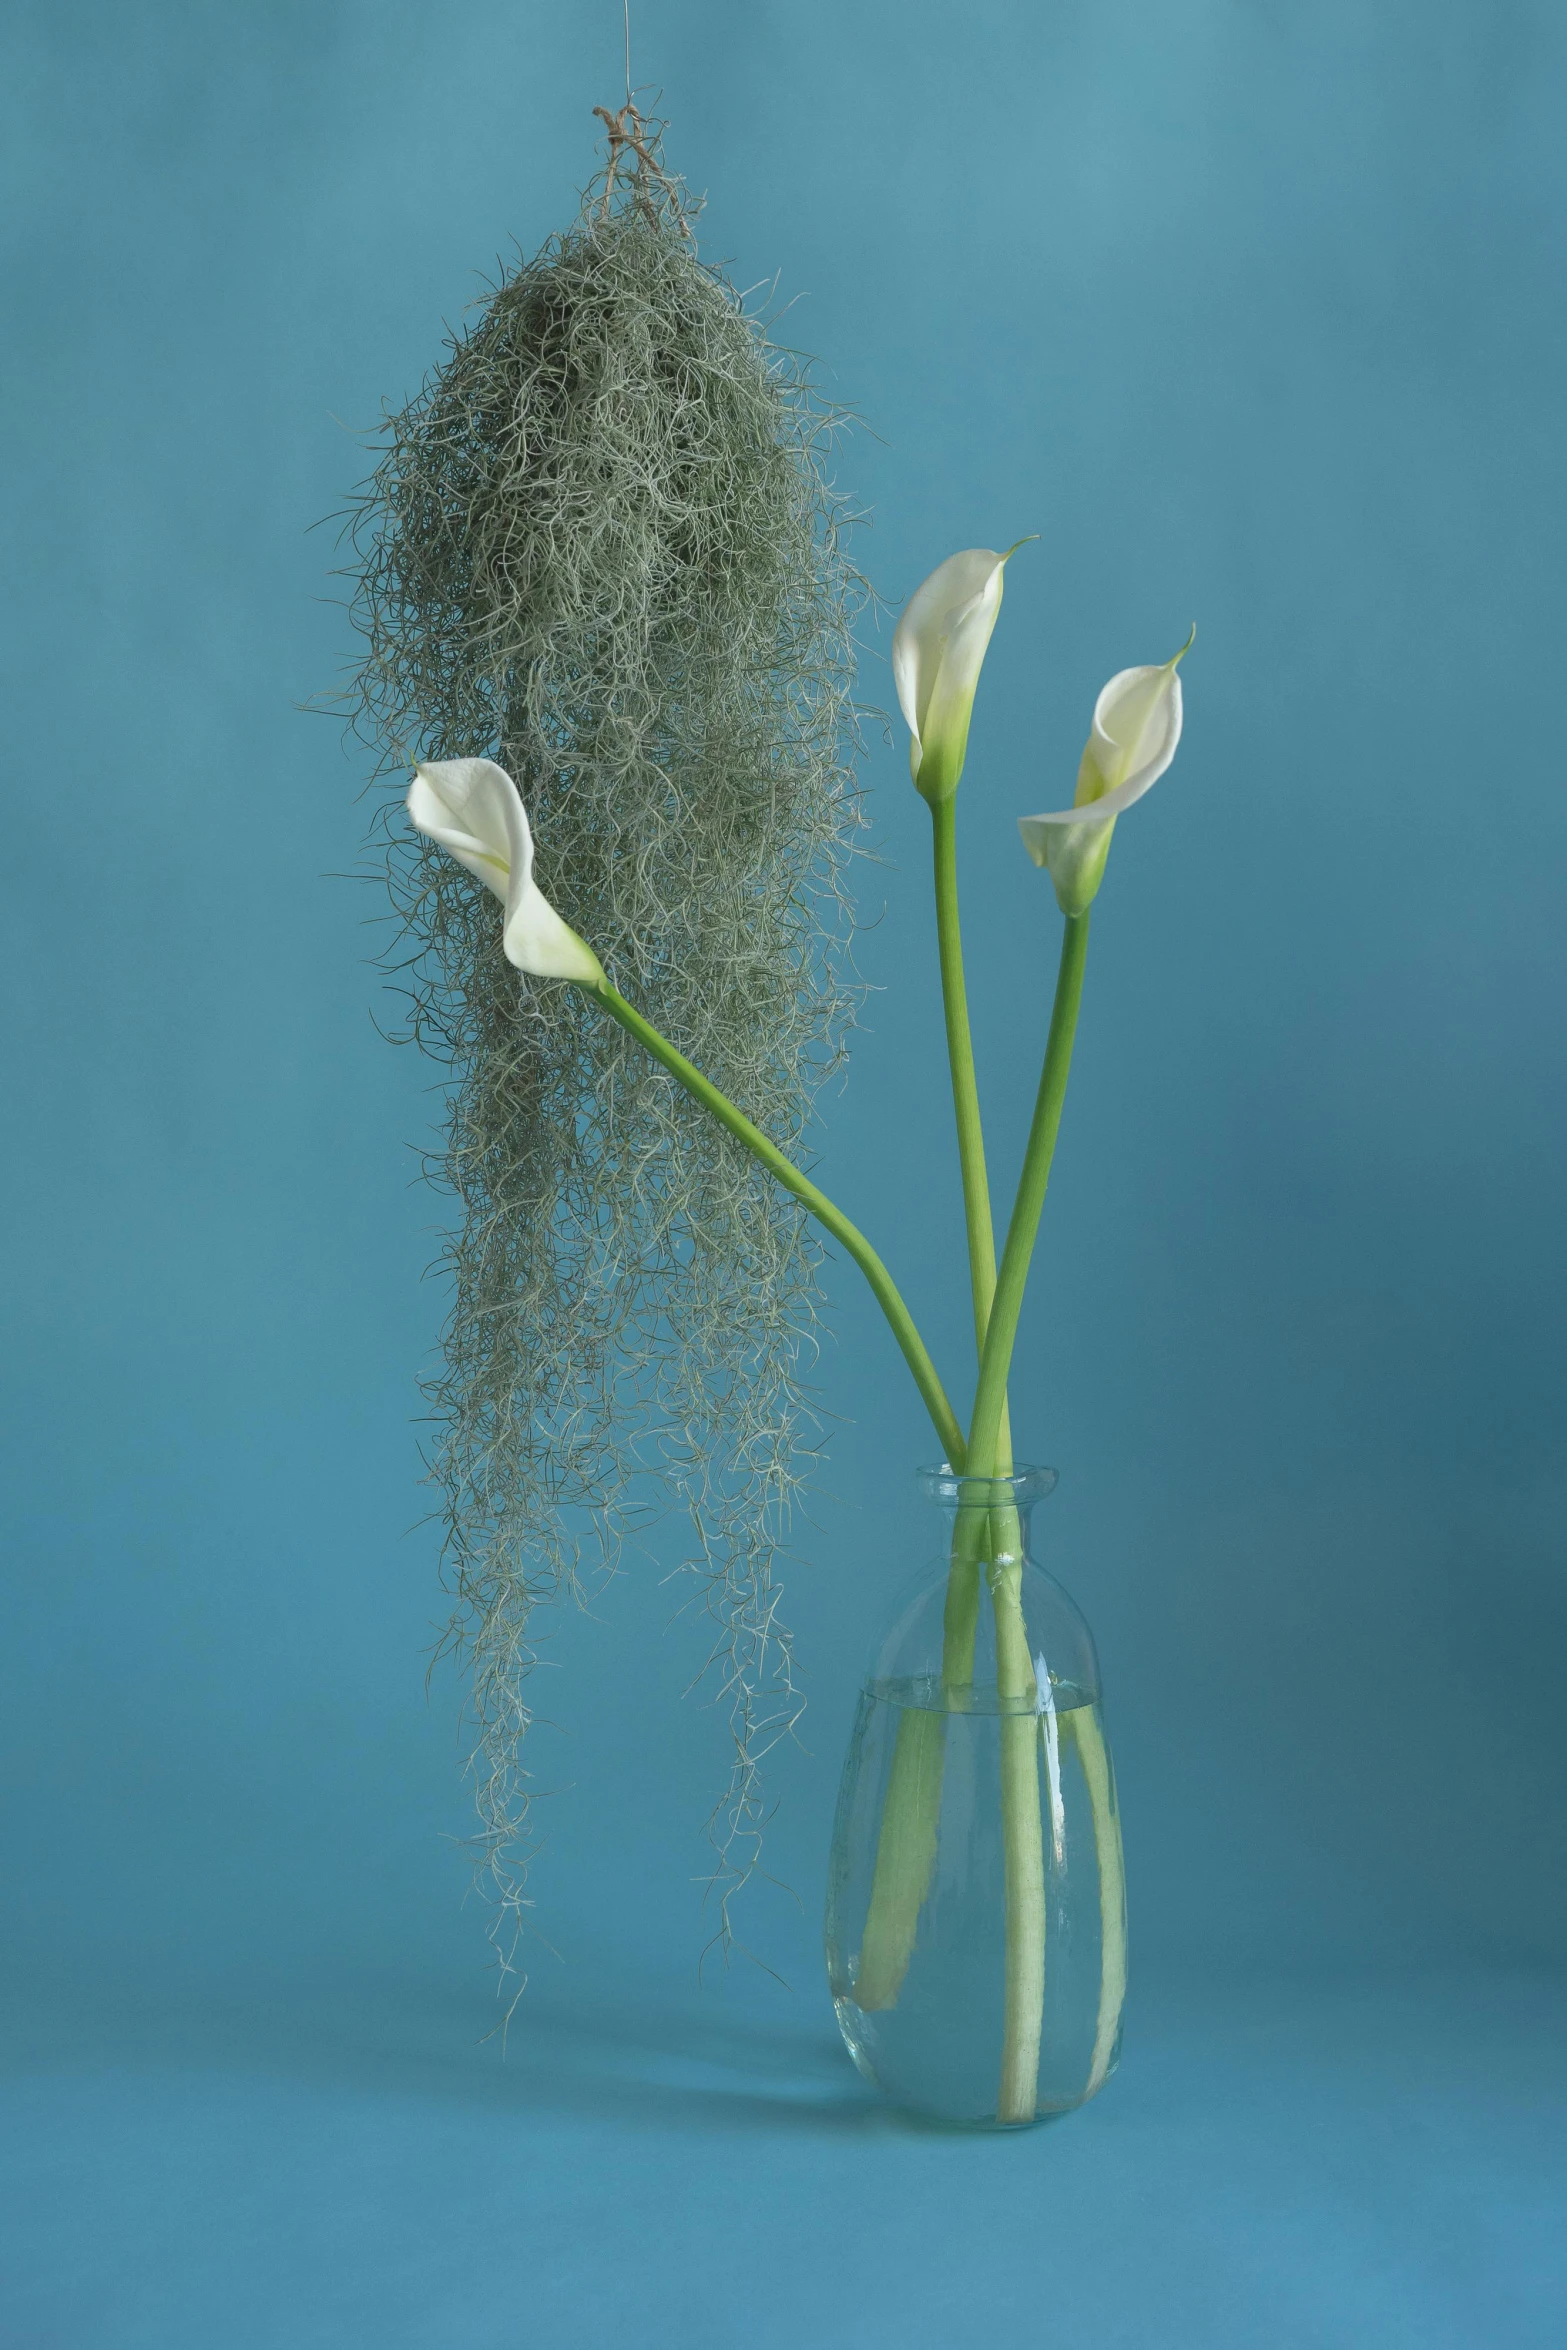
1021, 1490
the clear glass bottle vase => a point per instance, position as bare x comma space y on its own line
976, 1909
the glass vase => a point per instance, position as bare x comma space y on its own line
976, 1911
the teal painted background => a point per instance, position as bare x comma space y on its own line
1254, 314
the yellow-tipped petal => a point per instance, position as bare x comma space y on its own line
1135, 733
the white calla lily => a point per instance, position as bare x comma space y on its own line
937, 653
1136, 729
473, 808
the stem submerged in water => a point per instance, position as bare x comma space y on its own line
905, 1856
1094, 1756
1022, 1842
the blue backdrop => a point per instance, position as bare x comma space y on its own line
1253, 314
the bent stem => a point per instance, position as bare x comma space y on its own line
907, 1851
831, 1218
816, 1202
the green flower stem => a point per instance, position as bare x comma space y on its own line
831, 1218
962, 1608
1021, 1821
1082, 1723
908, 1835
1022, 1842
905, 1856
1001, 1332
960, 1055
907, 1839
906, 1848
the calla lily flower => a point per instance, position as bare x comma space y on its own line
1137, 725
937, 654
475, 811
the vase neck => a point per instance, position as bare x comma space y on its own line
1020, 1491
987, 1517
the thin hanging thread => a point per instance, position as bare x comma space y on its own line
638, 132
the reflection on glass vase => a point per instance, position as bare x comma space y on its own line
976, 1909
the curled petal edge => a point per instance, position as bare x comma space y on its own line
473, 809
1039, 831
1071, 844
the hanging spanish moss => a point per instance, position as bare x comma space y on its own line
601, 546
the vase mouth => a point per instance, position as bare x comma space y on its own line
1019, 1491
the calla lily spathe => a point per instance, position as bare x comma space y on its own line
1137, 726
937, 654
475, 811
